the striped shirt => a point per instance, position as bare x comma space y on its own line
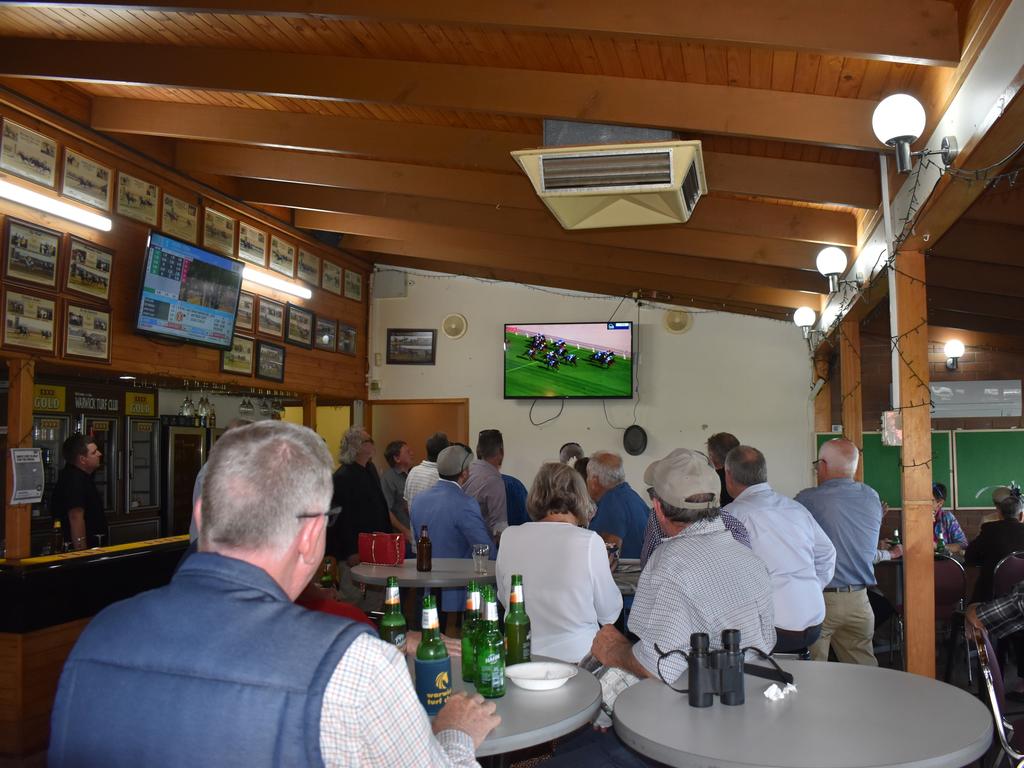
422, 476
653, 535
371, 716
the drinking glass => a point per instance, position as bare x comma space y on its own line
481, 554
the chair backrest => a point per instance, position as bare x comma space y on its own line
1009, 573
950, 587
992, 678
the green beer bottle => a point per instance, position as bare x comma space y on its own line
433, 666
393, 628
490, 651
470, 628
517, 624
940, 545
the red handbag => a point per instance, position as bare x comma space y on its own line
381, 548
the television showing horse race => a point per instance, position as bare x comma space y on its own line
569, 360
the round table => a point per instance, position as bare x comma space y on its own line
446, 572
529, 718
841, 716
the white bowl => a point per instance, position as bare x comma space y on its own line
541, 675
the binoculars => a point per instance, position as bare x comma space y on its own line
715, 672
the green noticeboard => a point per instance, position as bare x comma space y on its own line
882, 464
986, 459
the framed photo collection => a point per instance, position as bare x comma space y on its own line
246, 313
282, 256
309, 268
30, 253
269, 361
353, 285
346, 339
89, 268
137, 199
330, 278
218, 232
240, 358
270, 318
86, 180
87, 333
180, 218
411, 346
252, 244
326, 334
299, 327
28, 154
29, 321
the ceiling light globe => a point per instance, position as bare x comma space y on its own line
804, 317
831, 261
899, 116
954, 348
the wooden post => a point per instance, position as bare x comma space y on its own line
911, 312
851, 404
309, 411
18, 517
823, 400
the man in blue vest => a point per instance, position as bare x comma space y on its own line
220, 667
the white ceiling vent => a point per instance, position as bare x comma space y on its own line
617, 185
455, 326
677, 321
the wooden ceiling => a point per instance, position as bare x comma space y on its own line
392, 122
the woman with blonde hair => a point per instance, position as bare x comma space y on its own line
567, 584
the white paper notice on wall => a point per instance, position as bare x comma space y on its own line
28, 475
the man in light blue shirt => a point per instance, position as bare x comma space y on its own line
850, 513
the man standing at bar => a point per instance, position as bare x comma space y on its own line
850, 513
76, 502
224, 656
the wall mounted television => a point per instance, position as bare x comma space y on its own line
188, 293
568, 360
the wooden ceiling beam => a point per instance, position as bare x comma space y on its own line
977, 276
717, 214
981, 323
973, 303
981, 241
720, 109
715, 275
1002, 205
913, 32
535, 267
941, 334
460, 147
718, 251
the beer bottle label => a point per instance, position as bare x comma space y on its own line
472, 601
491, 612
428, 619
391, 596
433, 683
516, 597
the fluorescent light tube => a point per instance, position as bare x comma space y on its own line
250, 274
50, 205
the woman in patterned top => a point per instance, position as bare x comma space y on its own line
945, 523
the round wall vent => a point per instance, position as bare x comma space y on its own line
455, 326
677, 321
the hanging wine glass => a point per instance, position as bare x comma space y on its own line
245, 409
188, 408
203, 408
265, 410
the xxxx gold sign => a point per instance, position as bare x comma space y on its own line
49, 397
140, 404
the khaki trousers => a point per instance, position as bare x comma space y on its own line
848, 628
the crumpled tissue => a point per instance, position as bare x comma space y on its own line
775, 693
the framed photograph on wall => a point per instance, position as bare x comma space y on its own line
246, 313
346, 339
330, 277
31, 253
28, 154
353, 285
137, 199
86, 180
270, 318
299, 327
269, 361
411, 346
240, 358
282, 256
218, 232
252, 244
86, 332
89, 269
309, 268
326, 334
180, 218
29, 321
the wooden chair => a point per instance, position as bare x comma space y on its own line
1011, 734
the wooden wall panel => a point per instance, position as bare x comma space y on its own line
306, 371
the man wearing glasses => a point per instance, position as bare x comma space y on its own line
850, 513
220, 667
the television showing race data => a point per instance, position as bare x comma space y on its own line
569, 360
188, 293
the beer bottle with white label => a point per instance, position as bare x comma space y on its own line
517, 624
433, 665
393, 627
490, 651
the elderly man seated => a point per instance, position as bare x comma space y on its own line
220, 667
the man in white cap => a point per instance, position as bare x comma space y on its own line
699, 580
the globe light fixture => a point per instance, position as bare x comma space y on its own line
831, 262
898, 121
953, 350
804, 318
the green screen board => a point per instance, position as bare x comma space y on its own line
986, 459
882, 464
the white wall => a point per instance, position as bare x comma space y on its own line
732, 373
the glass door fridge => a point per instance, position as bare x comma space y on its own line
142, 487
103, 430
49, 431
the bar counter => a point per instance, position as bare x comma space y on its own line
45, 603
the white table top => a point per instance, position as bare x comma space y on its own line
446, 572
841, 716
529, 718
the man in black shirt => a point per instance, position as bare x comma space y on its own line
76, 502
358, 492
719, 445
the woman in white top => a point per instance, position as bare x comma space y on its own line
567, 584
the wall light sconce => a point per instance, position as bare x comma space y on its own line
262, 278
831, 262
954, 350
898, 121
804, 318
18, 194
